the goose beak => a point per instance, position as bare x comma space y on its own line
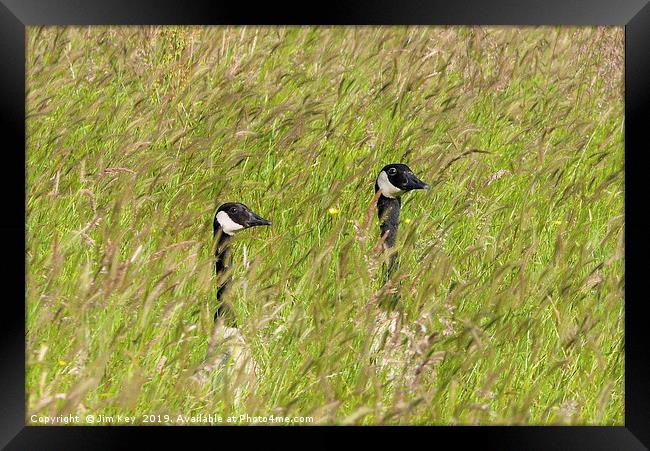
412, 182
256, 220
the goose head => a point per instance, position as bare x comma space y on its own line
233, 216
396, 179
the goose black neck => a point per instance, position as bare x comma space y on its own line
222, 267
222, 251
388, 209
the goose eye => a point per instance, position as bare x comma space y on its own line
233, 209
392, 171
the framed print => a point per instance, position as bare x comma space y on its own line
406, 215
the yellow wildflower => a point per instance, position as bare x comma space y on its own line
333, 211
62, 362
408, 221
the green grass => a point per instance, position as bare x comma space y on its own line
511, 271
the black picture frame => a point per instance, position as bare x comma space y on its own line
15, 15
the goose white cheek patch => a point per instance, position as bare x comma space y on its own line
387, 188
228, 225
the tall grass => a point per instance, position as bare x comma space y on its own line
511, 274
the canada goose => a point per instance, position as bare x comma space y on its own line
229, 218
393, 181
